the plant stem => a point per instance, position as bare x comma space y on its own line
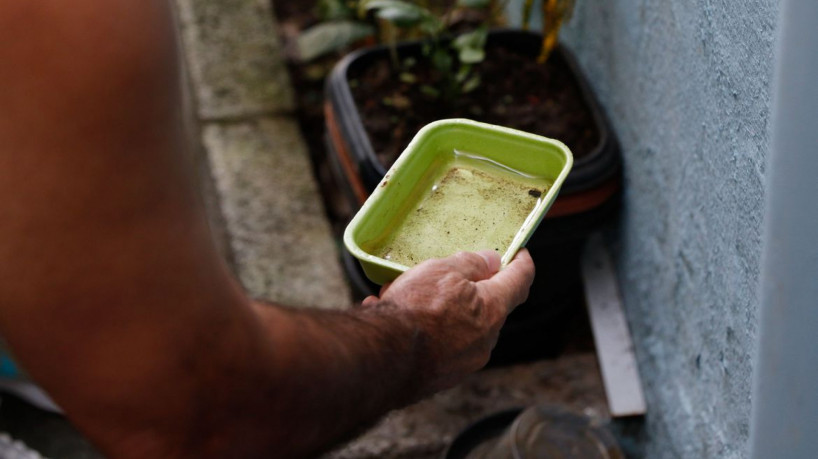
392, 43
527, 6
555, 12
497, 10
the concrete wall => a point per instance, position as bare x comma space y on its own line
687, 86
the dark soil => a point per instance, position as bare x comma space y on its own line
515, 92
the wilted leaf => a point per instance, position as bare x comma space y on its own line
401, 102
331, 36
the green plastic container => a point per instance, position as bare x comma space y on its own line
480, 152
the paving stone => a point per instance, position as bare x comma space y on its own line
234, 58
424, 430
280, 238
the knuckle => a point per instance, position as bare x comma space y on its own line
453, 281
469, 258
464, 255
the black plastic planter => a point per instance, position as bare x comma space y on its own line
592, 170
589, 198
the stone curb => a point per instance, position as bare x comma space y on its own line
236, 65
278, 234
273, 228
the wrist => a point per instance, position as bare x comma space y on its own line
407, 333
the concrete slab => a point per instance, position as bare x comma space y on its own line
234, 58
280, 238
424, 430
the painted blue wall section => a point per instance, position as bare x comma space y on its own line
785, 404
687, 87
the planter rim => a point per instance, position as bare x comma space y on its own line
594, 163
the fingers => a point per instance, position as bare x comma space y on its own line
475, 266
510, 286
369, 301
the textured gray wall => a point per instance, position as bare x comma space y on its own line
687, 86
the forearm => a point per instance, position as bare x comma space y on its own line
334, 373
292, 383
244, 380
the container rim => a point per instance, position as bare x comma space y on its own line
527, 228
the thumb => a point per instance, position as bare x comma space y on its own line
474, 266
511, 285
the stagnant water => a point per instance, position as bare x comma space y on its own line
475, 204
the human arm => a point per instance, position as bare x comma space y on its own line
434, 325
113, 297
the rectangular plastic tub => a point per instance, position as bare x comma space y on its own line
533, 163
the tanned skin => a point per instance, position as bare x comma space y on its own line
114, 299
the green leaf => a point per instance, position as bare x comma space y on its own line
471, 55
401, 17
462, 73
378, 4
474, 39
331, 36
400, 13
470, 46
430, 91
441, 61
476, 4
471, 84
330, 10
426, 49
363, 8
407, 77
432, 25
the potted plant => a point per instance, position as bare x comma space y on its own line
377, 98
